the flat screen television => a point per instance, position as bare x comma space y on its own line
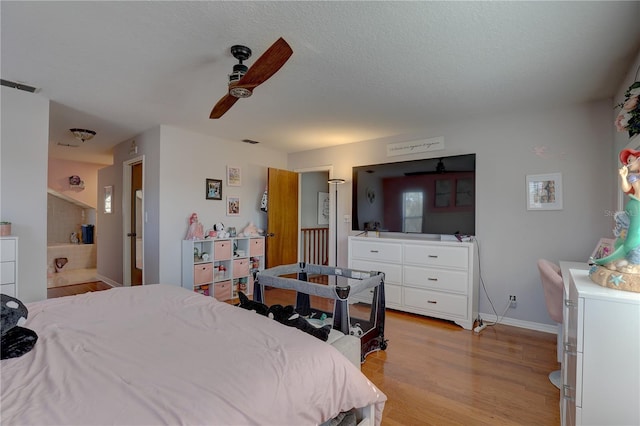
428, 196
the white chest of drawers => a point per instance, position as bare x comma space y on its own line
601, 365
9, 266
433, 278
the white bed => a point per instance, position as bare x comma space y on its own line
160, 354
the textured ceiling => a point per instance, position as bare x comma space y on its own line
359, 71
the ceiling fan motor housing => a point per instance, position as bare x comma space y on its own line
241, 53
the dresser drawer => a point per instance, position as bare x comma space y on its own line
222, 290
222, 250
256, 247
7, 250
392, 295
433, 301
7, 272
436, 279
202, 273
392, 272
377, 251
240, 268
450, 257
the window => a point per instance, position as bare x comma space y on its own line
412, 208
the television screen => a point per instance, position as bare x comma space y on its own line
428, 196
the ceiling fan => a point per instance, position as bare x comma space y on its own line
243, 79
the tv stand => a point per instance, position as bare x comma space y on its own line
427, 277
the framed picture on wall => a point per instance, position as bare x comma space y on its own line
544, 192
323, 208
233, 176
213, 189
233, 206
108, 199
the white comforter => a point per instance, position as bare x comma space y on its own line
159, 354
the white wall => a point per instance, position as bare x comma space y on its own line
186, 160
23, 185
578, 143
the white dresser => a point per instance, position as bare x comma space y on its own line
601, 365
9, 266
427, 277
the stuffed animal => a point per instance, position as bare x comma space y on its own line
287, 315
16, 340
284, 315
251, 231
250, 305
219, 228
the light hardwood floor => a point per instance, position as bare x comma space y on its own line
436, 373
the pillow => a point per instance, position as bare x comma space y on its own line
16, 340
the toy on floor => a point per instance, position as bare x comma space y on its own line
285, 315
16, 340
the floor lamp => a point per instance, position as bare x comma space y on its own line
336, 182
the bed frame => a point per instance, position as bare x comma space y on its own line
372, 338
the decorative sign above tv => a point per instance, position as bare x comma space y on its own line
428, 196
415, 147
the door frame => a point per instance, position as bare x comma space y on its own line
329, 170
126, 218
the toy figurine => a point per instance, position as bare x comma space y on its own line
621, 268
195, 231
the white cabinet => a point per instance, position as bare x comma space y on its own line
221, 267
433, 278
9, 266
601, 365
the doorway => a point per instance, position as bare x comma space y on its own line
133, 222
316, 212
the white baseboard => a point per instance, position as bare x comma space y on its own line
546, 328
109, 281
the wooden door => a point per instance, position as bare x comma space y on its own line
282, 218
135, 235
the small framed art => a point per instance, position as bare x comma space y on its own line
323, 208
603, 249
213, 189
233, 206
234, 177
108, 198
544, 192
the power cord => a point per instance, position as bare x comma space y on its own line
481, 324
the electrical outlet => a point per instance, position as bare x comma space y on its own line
512, 301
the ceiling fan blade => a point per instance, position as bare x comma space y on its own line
223, 106
267, 65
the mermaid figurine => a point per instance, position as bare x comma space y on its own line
622, 266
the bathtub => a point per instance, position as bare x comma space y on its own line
79, 256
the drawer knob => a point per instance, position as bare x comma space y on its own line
432, 279
374, 251
433, 256
432, 301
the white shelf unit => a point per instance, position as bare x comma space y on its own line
9, 266
601, 359
426, 277
221, 267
